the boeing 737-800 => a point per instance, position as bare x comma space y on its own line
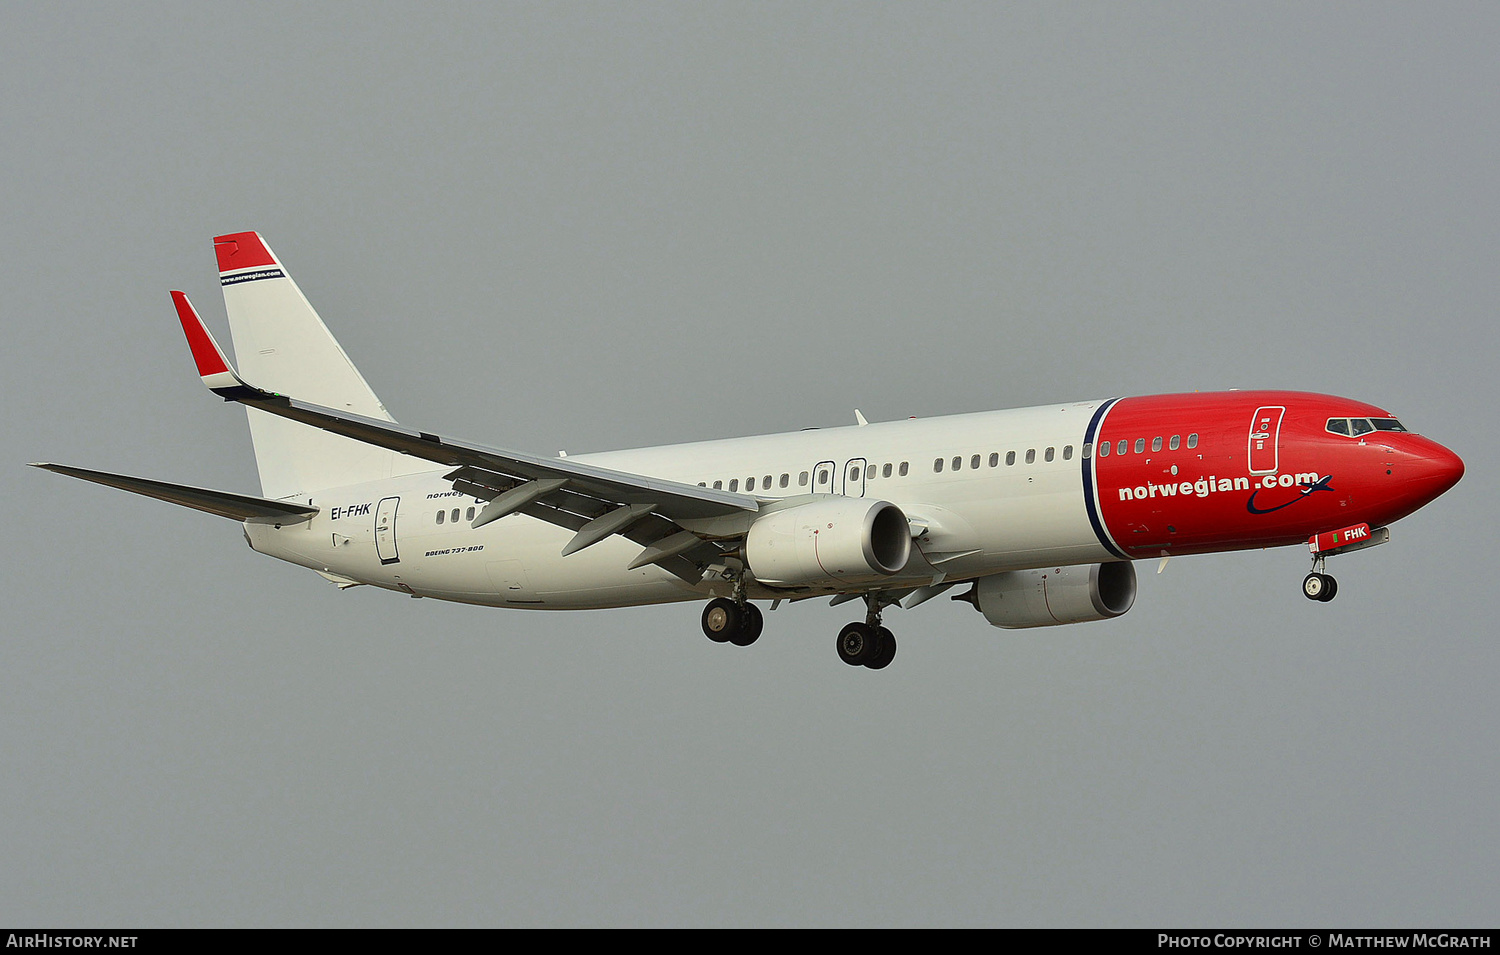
1037, 512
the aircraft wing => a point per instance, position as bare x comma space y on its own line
592, 501
240, 507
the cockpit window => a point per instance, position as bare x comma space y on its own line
1354, 427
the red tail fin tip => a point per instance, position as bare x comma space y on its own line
242, 250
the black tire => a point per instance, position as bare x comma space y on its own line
1331, 590
857, 644
886, 653
721, 619
1314, 585
751, 624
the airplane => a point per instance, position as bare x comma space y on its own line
1038, 512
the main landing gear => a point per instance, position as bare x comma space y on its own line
731, 621
738, 621
867, 644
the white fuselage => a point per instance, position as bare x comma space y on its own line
1006, 513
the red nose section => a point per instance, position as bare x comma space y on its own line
1433, 470
1449, 468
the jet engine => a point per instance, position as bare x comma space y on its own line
1054, 595
832, 540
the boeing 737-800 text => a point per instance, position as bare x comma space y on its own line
1038, 512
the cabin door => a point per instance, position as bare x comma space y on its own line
1265, 436
385, 530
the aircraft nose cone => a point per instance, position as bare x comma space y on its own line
1449, 467
1434, 470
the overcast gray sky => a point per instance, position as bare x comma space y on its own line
589, 226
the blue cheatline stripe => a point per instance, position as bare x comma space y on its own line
1089, 500
251, 276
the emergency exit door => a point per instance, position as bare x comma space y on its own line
854, 477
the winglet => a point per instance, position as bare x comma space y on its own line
213, 367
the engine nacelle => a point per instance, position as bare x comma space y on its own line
1056, 595
833, 540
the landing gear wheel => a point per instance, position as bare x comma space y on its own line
858, 644
1312, 589
1319, 587
1331, 591
751, 624
721, 619
886, 652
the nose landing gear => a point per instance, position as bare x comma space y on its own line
1319, 586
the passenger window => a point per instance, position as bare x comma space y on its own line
1338, 425
903, 469
766, 482
1010, 458
454, 517
1140, 445
734, 484
718, 485
958, 464
854, 474
802, 479
1049, 454
786, 479
750, 484
1156, 443
703, 484
823, 477
937, 466
441, 515
994, 459
469, 514
1031, 455
1193, 440
1358, 426
1124, 446
974, 462
1103, 449
1068, 452
1175, 443
869, 472
885, 471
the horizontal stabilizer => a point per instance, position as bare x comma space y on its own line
240, 507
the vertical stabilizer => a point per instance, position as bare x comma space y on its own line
281, 345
